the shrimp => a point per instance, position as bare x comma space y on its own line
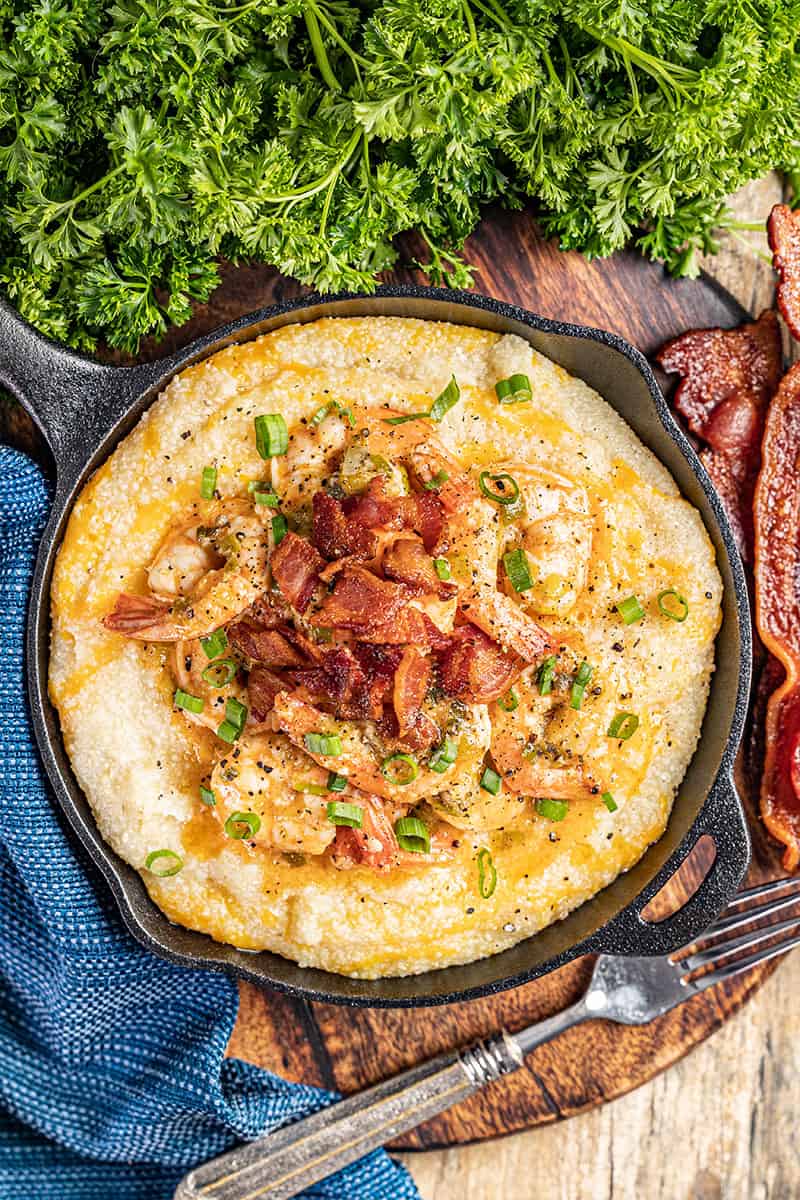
311, 457
375, 844
204, 574
474, 534
530, 746
263, 775
214, 681
555, 531
361, 757
461, 800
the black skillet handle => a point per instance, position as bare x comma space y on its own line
722, 818
74, 400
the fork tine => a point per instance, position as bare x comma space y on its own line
743, 964
740, 916
718, 952
762, 889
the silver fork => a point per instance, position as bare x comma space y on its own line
630, 991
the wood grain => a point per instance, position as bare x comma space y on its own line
348, 1049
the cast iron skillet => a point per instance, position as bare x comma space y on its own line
83, 409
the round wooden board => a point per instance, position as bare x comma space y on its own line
348, 1049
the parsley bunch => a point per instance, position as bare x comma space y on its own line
141, 140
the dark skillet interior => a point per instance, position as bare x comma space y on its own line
110, 400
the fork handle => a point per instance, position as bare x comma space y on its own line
296, 1156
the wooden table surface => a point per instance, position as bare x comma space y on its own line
722, 1123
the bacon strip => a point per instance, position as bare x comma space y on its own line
728, 379
777, 576
295, 568
783, 231
476, 669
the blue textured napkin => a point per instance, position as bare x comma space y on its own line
112, 1076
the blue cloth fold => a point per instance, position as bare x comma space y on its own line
113, 1080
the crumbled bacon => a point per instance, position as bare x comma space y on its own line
337, 677
783, 230
408, 562
410, 625
411, 683
295, 568
777, 577
354, 680
263, 686
420, 512
337, 536
476, 669
728, 378
270, 611
268, 646
361, 602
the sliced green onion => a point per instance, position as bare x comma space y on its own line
673, 605
623, 726
630, 610
518, 569
341, 813
400, 769
336, 783
445, 400
413, 835
272, 436
207, 796
439, 478
546, 673
553, 810
311, 789
487, 874
220, 673
582, 677
215, 643
491, 782
280, 528
443, 756
609, 802
208, 483
509, 702
415, 416
172, 863
323, 743
192, 704
236, 713
442, 568
514, 390
235, 716
228, 732
332, 406
502, 488
241, 824
267, 499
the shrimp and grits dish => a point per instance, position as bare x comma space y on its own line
381, 644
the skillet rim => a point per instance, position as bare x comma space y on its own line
626, 919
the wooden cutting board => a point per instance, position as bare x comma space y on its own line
348, 1049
